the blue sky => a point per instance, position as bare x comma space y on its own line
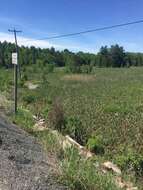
45, 18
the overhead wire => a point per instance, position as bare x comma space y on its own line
88, 31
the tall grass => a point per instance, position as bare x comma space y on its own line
109, 107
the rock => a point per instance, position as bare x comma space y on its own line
69, 142
40, 125
66, 144
35, 117
110, 166
86, 153
119, 182
123, 184
132, 188
73, 142
31, 86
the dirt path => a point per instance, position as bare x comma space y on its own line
23, 165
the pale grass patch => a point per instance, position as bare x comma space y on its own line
79, 77
4, 103
31, 86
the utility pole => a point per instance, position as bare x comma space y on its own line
14, 31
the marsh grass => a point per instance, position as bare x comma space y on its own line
108, 103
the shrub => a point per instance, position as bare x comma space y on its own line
73, 66
86, 69
56, 116
28, 99
50, 68
94, 144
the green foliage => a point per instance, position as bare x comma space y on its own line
112, 57
73, 65
28, 99
87, 69
115, 56
131, 161
95, 145
117, 109
50, 68
25, 77
39, 63
5, 80
76, 64
45, 111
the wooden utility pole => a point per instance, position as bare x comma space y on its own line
14, 31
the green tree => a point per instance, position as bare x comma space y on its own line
118, 56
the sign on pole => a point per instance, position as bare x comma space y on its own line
14, 58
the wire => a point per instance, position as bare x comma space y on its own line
89, 31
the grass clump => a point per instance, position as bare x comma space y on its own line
81, 174
50, 141
24, 119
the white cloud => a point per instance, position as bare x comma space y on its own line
70, 44
42, 43
27, 41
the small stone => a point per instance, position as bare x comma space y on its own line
66, 144
119, 182
132, 188
110, 166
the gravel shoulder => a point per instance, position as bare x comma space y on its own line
23, 163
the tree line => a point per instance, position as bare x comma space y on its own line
114, 56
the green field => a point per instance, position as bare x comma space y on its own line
102, 110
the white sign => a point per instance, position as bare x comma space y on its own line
14, 58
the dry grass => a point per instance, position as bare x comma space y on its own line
79, 77
4, 103
31, 86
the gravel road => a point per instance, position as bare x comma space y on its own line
23, 164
